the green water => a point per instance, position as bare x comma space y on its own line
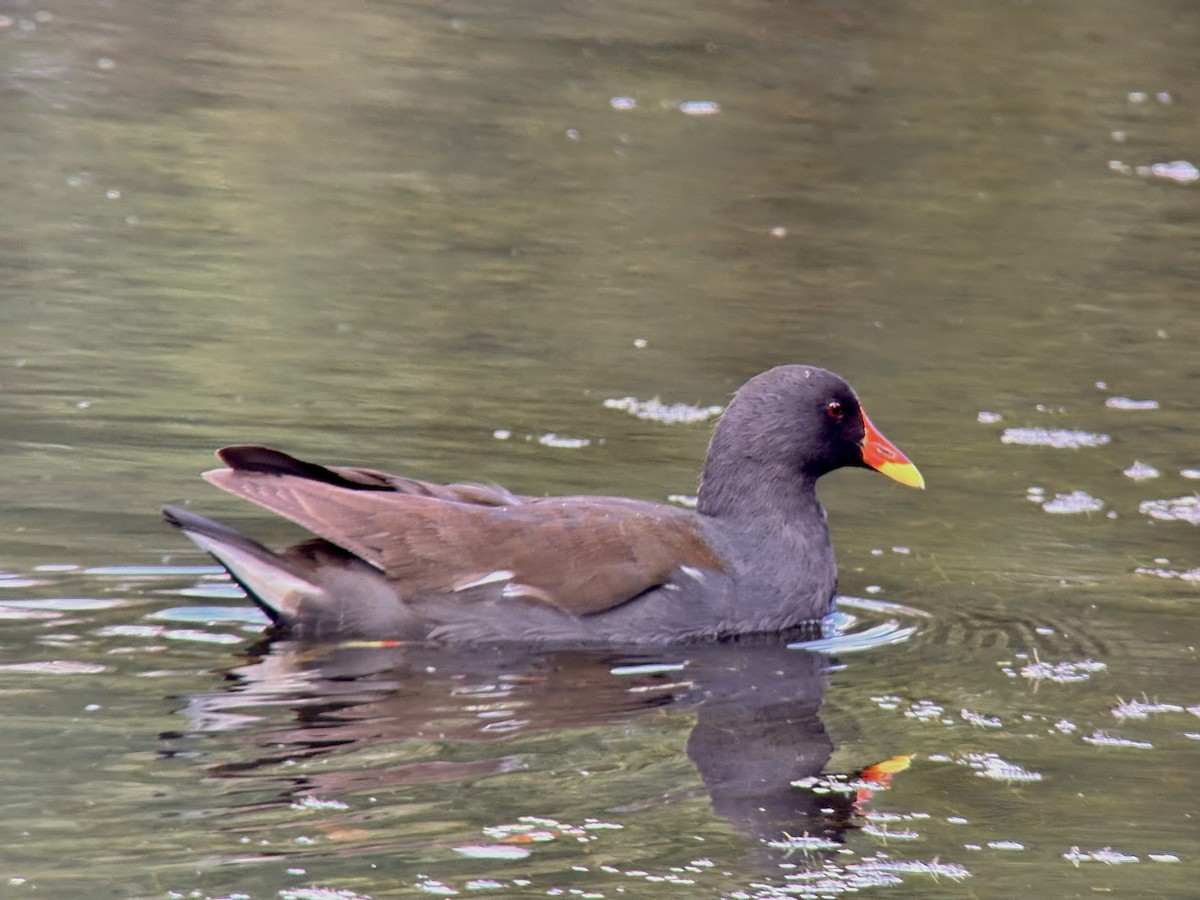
379, 234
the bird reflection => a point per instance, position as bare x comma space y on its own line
757, 731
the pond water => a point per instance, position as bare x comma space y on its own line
426, 236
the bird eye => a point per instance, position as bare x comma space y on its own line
835, 410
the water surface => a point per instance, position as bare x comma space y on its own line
425, 237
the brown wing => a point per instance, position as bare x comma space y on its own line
581, 554
247, 459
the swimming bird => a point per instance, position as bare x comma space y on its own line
395, 558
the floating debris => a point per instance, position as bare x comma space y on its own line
924, 711
699, 107
828, 881
980, 720
1106, 855
536, 829
1177, 509
1062, 672
1059, 438
1190, 575
990, 765
428, 885
913, 867
1179, 170
988, 418
1127, 403
1005, 845
1141, 709
311, 802
1139, 471
1190, 473
322, 893
904, 834
565, 443
1104, 739
655, 410
623, 103
804, 842
1074, 502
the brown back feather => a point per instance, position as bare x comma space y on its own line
581, 554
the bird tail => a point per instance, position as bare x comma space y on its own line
278, 584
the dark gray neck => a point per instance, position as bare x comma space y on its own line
749, 490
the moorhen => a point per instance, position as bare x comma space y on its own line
397, 558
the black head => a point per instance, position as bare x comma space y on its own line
796, 423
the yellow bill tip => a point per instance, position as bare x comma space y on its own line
903, 472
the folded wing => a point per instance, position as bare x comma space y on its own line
581, 555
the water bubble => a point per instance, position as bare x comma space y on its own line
1141, 709
1127, 403
1106, 855
1104, 739
1179, 170
699, 108
658, 411
1139, 471
1177, 509
979, 720
566, 443
1074, 502
1060, 438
